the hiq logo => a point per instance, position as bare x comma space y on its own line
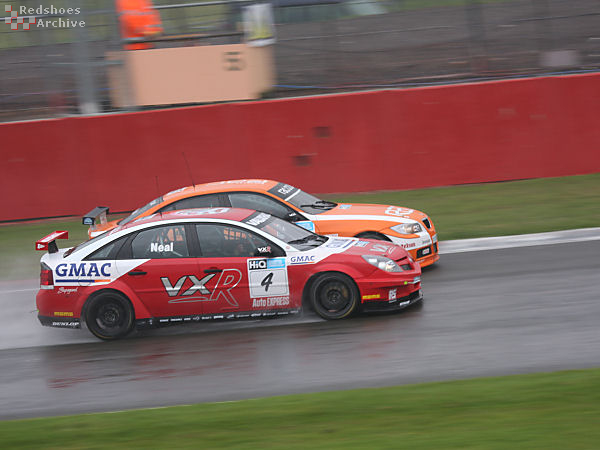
272, 263
14, 20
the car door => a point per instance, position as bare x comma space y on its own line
168, 283
242, 281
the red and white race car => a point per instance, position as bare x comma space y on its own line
217, 263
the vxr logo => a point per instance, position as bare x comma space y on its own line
228, 280
14, 15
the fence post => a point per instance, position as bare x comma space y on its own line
86, 94
477, 38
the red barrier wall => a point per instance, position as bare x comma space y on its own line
395, 139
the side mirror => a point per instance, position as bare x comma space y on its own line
292, 217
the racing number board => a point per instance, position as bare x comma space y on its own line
268, 281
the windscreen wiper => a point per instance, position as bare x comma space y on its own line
308, 238
320, 204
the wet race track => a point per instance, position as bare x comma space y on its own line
490, 312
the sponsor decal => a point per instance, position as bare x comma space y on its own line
344, 206
398, 211
392, 295
339, 243
270, 302
381, 248
176, 191
257, 219
83, 271
282, 190
306, 224
371, 296
361, 244
303, 259
434, 238
66, 324
241, 182
182, 292
63, 313
197, 211
285, 189
64, 290
266, 263
410, 245
404, 303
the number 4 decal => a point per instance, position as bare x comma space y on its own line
267, 281
268, 277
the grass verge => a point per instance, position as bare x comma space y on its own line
500, 209
536, 411
468, 211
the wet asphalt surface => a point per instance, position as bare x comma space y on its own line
485, 313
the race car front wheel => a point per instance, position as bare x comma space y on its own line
109, 316
334, 296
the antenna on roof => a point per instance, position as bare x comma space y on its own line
157, 190
188, 168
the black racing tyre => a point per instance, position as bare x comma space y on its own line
334, 296
373, 235
109, 315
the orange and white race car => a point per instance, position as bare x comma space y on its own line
409, 228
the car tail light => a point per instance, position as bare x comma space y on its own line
46, 277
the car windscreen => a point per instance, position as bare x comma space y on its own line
138, 212
285, 231
306, 202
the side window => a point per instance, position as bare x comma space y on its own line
200, 201
168, 241
108, 251
223, 241
259, 203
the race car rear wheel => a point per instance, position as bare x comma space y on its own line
109, 316
334, 296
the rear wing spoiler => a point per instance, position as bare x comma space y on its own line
95, 216
49, 242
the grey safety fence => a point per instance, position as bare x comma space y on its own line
57, 69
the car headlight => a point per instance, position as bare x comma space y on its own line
407, 228
383, 263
